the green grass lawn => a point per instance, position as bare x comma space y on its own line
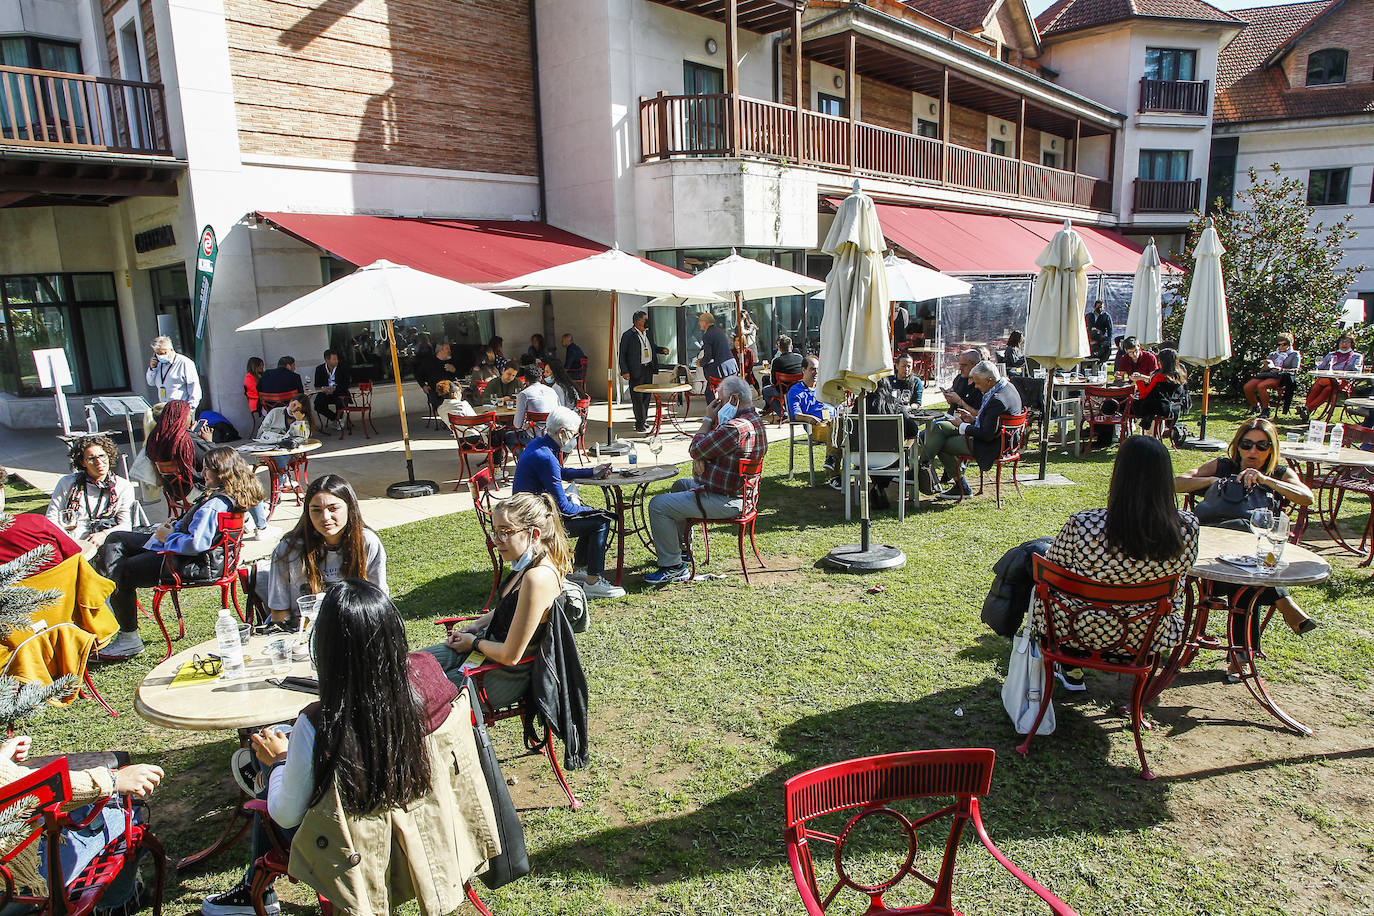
706, 698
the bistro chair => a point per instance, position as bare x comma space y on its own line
483, 492
1107, 405
297, 475
45, 792
278, 399
867, 799
782, 383
1011, 439
228, 544
1076, 613
751, 470
361, 405
581, 407
176, 488
486, 442
534, 426
579, 375
890, 457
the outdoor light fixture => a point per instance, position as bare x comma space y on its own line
932, 108
839, 82
711, 46
1054, 144
1003, 129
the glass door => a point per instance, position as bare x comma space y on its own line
704, 119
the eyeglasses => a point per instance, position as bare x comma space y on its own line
505, 534
211, 665
93, 459
1246, 445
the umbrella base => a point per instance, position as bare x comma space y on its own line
1204, 445
618, 447
853, 558
409, 489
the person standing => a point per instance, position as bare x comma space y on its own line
717, 360
637, 364
172, 374
1100, 332
331, 388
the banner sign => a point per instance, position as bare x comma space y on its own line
200, 296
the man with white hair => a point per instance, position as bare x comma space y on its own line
731, 432
539, 470
173, 375
976, 434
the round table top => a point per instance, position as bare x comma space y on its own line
1349, 457
676, 388
1078, 381
1333, 373
308, 446
1359, 403
1300, 566
632, 476
219, 704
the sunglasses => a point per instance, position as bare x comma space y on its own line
210, 665
1246, 445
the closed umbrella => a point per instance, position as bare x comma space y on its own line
613, 272
383, 291
854, 352
1206, 338
1056, 336
1146, 315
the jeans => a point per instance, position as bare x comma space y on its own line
944, 439
667, 512
591, 531
259, 514
123, 559
503, 687
262, 840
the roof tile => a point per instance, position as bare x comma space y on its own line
962, 14
1073, 15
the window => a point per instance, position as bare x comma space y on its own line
926, 128
997, 147
77, 312
1328, 187
40, 54
1164, 164
1326, 67
1050, 159
1170, 64
1221, 173
1006, 54
830, 104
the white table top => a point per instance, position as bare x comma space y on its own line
1353, 376
1348, 457
308, 446
222, 704
675, 388
1300, 566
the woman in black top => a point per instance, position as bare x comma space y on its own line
1012, 357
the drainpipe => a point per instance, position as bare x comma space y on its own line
546, 318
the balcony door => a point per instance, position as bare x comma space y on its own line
132, 119
22, 113
704, 119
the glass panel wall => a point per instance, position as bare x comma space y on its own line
77, 312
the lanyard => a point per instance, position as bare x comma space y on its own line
162, 379
101, 501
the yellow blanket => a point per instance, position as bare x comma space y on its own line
66, 630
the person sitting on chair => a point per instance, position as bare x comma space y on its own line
573, 355
1012, 356
730, 432
977, 434
1276, 370
900, 394
282, 380
485, 369
1345, 358
134, 560
331, 389
786, 362
506, 385
804, 407
1134, 362
962, 393
453, 402
1165, 395
94, 500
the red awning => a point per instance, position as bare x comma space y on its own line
973, 243
469, 251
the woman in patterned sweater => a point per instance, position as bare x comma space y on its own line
1140, 536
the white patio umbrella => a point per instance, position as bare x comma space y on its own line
1206, 338
613, 272
740, 278
383, 291
855, 352
908, 281
1056, 336
1146, 315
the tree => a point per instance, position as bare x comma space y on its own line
1282, 273
18, 604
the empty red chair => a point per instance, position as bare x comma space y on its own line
862, 793
176, 488
361, 405
1107, 405
482, 489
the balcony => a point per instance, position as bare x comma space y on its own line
1175, 96
1153, 196
72, 111
677, 126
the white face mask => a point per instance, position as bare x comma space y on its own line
726, 413
1344, 350
568, 446
163, 357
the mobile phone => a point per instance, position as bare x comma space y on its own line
292, 682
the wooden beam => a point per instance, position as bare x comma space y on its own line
1077, 137
850, 87
13, 198
797, 84
944, 126
1020, 143
99, 186
732, 73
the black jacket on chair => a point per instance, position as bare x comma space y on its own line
558, 692
983, 435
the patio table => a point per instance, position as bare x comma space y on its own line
245, 704
671, 392
1300, 566
631, 512
1328, 410
296, 464
1346, 472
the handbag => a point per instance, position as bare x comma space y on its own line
1227, 499
514, 859
1025, 685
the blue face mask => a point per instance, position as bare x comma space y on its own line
726, 414
523, 561
163, 357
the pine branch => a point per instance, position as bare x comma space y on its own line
19, 603
19, 701
14, 818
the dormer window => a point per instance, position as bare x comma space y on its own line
1326, 66
1170, 64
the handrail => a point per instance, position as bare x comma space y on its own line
53, 109
1178, 96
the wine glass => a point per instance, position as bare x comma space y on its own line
656, 447
1276, 538
1261, 521
70, 519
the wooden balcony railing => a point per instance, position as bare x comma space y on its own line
46, 108
1181, 96
1153, 196
673, 126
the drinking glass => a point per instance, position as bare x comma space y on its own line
308, 605
656, 446
278, 653
70, 518
1261, 520
1276, 539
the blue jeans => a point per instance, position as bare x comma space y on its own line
591, 531
80, 847
259, 514
667, 512
262, 840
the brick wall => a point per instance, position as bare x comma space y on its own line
1349, 28
443, 84
785, 56
145, 15
968, 128
884, 105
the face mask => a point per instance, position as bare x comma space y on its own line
1344, 350
567, 446
524, 560
163, 357
726, 414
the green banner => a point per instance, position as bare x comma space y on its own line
200, 295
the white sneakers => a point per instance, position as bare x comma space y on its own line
266, 531
602, 588
577, 575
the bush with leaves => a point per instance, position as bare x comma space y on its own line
1282, 271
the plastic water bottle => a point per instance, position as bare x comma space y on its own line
1337, 438
634, 454
230, 648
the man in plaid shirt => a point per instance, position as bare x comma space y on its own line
730, 431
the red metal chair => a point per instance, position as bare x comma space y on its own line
229, 541
483, 489
278, 399
782, 383
579, 375
487, 443
276, 861
50, 789
176, 488
869, 786
1011, 433
534, 426
297, 469
519, 708
1107, 405
1077, 601
752, 472
581, 407
360, 404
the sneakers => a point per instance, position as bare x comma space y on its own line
665, 575
959, 490
1071, 678
124, 645
339, 424
246, 772
1302, 413
238, 902
266, 531
603, 588
577, 575
273, 627
835, 484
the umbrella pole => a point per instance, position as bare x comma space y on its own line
1206, 390
610, 372
409, 487
864, 556
1046, 406
865, 524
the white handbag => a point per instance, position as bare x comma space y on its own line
1025, 684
